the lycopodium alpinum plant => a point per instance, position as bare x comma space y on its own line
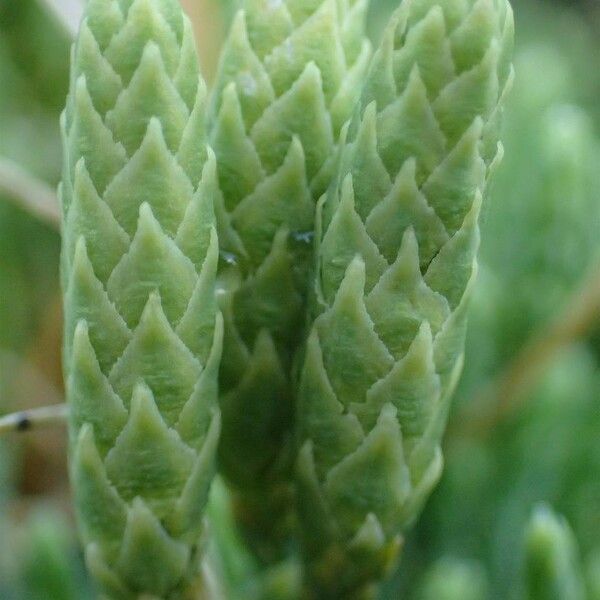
397, 238
346, 187
142, 335
289, 78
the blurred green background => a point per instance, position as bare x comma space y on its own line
525, 427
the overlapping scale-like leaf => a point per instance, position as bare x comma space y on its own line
142, 333
396, 254
289, 78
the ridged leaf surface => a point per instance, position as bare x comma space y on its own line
290, 76
142, 331
397, 242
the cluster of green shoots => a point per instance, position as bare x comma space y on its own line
271, 280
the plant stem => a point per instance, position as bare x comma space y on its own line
29, 193
505, 395
33, 419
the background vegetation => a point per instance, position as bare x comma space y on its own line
525, 427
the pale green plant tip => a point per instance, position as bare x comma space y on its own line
396, 256
142, 330
289, 78
552, 563
454, 579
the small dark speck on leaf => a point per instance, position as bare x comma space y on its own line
23, 423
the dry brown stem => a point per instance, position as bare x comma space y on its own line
505, 395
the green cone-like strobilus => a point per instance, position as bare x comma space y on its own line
290, 76
397, 243
142, 332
